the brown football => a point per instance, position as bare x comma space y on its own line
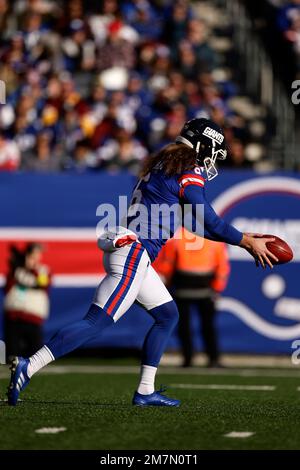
280, 249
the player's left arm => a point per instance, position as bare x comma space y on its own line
215, 228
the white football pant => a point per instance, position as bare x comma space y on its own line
130, 277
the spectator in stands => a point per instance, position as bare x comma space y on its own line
84, 157
26, 302
124, 151
74, 69
143, 18
176, 23
42, 158
287, 13
71, 130
8, 21
99, 22
24, 133
236, 157
197, 37
116, 51
9, 154
197, 277
78, 49
187, 60
292, 34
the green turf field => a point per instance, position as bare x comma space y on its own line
95, 408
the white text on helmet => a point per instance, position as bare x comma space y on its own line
214, 135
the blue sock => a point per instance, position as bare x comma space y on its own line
166, 318
72, 336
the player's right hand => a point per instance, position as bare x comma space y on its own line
255, 244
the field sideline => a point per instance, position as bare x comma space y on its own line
90, 407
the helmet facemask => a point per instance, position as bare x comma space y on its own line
210, 163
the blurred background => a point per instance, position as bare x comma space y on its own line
92, 87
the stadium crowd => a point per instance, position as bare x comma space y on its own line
92, 85
288, 23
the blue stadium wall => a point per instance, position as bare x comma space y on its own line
260, 309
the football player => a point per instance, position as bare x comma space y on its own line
175, 175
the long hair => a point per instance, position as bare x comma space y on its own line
172, 159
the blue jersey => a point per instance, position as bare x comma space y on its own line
158, 204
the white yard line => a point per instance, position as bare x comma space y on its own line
258, 388
50, 430
234, 361
114, 369
239, 435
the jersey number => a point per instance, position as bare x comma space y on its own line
137, 196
